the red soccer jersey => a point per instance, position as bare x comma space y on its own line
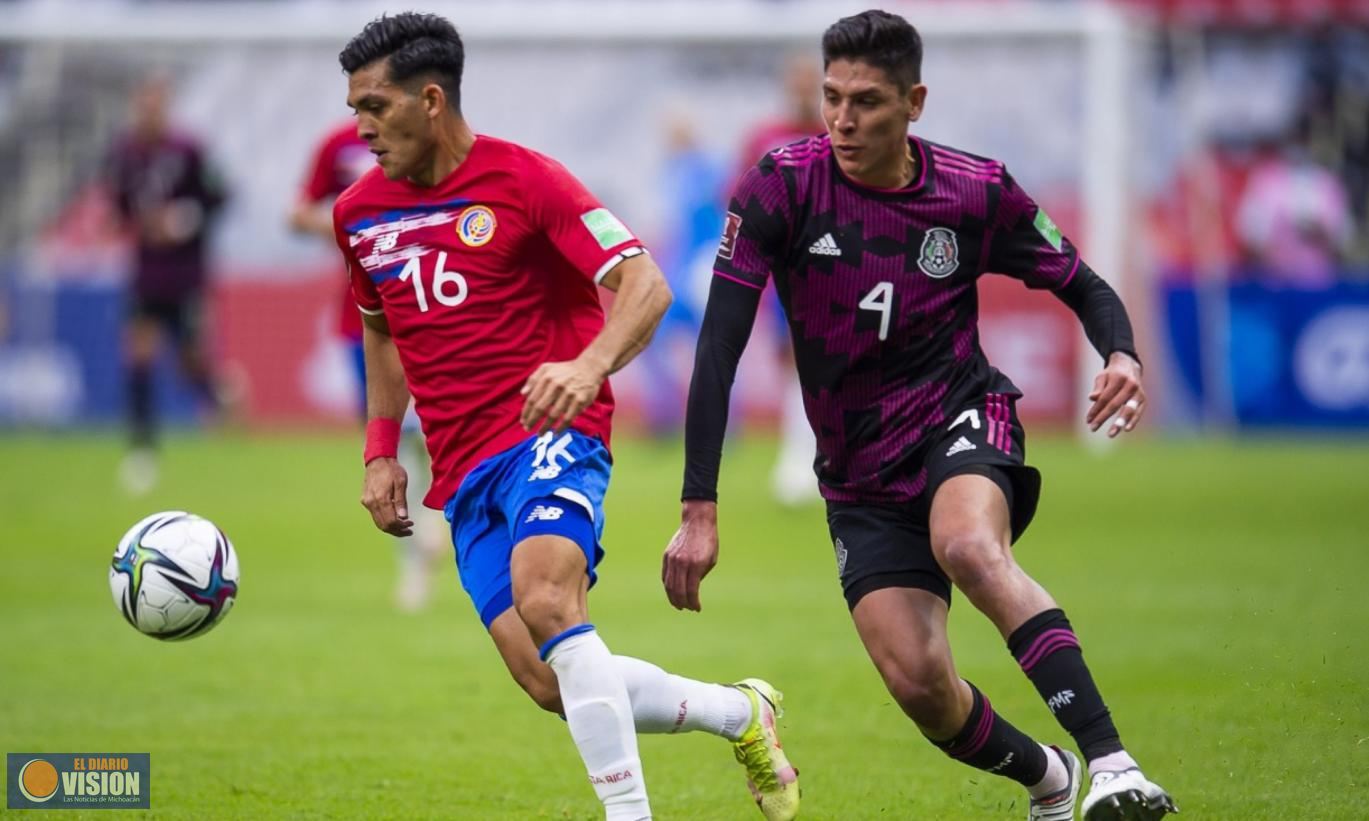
340, 160
482, 277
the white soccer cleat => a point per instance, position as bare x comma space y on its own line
1125, 795
138, 472
1059, 805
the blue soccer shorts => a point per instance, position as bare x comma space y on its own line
552, 484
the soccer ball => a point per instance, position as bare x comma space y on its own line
174, 575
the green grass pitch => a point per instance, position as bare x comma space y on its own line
1218, 589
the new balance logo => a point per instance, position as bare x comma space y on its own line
1060, 700
825, 246
544, 513
961, 445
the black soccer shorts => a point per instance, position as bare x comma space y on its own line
889, 545
181, 319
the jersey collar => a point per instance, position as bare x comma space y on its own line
922, 181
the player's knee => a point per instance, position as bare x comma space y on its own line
925, 692
546, 610
973, 558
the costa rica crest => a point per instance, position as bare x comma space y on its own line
940, 254
476, 225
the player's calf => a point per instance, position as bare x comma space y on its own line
1048, 652
987, 741
599, 716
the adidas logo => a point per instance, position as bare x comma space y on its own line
826, 246
961, 445
545, 513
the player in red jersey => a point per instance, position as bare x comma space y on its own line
475, 263
339, 160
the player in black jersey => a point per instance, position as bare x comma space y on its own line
875, 240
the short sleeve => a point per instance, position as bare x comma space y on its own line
1027, 245
320, 181
755, 228
364, 291
588, 235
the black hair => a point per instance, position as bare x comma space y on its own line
416, 45
885, 41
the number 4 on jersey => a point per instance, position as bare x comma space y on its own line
442, 280
880, 298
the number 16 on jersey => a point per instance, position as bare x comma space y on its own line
444, 282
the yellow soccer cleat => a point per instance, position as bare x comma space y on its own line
772, 779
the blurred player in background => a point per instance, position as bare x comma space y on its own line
875, 241
1293, 219
694, 182
791, 478
338, 161
166, 197
475, 263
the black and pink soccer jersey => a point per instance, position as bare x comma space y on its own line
879, 289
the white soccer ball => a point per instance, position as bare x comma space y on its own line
174, 575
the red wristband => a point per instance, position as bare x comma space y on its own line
382, 440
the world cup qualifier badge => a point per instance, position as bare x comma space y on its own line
78, 781
940, 254
476, 225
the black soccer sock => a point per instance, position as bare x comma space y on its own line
990, 743
140, 415
1048, 652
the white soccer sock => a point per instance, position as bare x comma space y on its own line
666, 703
599, 714
1056, 777
1112, 762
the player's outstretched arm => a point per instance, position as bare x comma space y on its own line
557, 392
692, 553
312, 217
1029, 246
1117, 392
385, 489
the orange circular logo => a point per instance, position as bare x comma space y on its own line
476, 225
38, 780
